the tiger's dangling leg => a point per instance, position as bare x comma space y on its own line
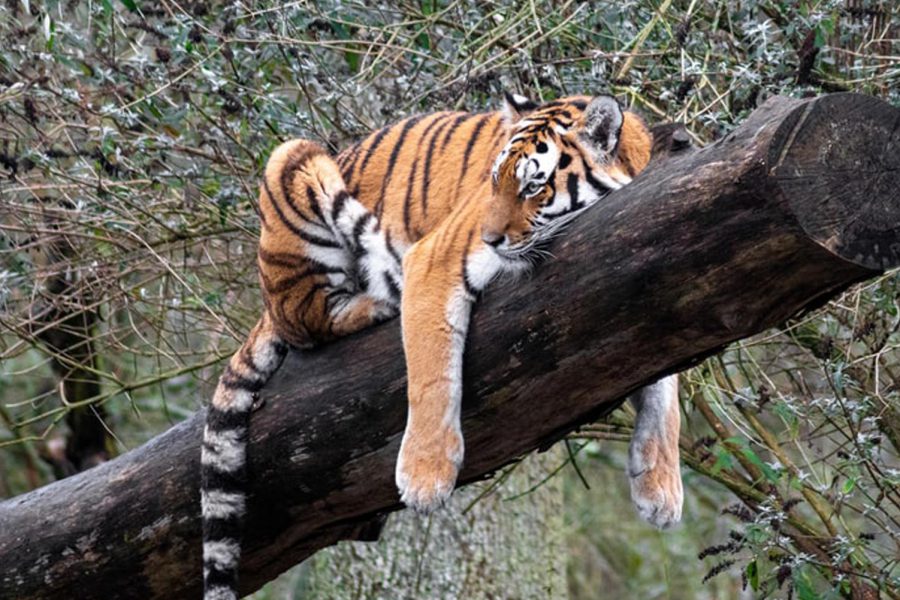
223, 456
439, 290
653, 463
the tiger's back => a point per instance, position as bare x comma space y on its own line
413, 173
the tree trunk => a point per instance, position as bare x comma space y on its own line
786, 211
491, 541
67, 332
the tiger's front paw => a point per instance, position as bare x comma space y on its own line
655, 477
427, 468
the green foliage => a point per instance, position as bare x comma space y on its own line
132, 135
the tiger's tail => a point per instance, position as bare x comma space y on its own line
223, 470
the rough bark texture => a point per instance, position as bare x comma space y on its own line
789, 209
491, 541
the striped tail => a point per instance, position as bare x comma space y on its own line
224, 457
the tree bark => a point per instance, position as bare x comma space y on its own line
786, 211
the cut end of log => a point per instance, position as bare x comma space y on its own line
836, 162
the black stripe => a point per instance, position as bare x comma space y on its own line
498, 124
346, 155
574, 203
312, 239
340, 200
280, 348
465, 267
303, 305
392, 162
317, 240
379, 137
298, 326
426, 179
572, 188
358, 227
220, 420
313, 201
459, 121
390, 247
233, 380
231, 482
281, 259
247, 359
593, 180
289, 282
471, 144
291, 166
410, 183
411, 180
392, 286
278, 208
497, 139
311, 268
216, 529
358, 152
217, 578
334, 295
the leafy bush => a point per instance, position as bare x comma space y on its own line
132, 135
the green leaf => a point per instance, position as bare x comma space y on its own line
724, 460
769, 473
130, 5
352, 59
849, 485
753, 575
804, 586
820, 37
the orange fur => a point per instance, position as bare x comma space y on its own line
434, 205
427, 179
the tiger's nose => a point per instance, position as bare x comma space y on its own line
492, 237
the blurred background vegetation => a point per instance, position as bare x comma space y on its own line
132, 135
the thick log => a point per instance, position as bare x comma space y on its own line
702, 249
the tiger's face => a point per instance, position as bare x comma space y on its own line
561, 158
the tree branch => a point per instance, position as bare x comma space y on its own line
703, 249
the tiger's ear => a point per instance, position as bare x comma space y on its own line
603, 120
517, 106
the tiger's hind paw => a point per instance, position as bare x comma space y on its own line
656, 489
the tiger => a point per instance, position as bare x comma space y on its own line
417, 219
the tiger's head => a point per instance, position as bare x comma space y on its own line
561, 158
